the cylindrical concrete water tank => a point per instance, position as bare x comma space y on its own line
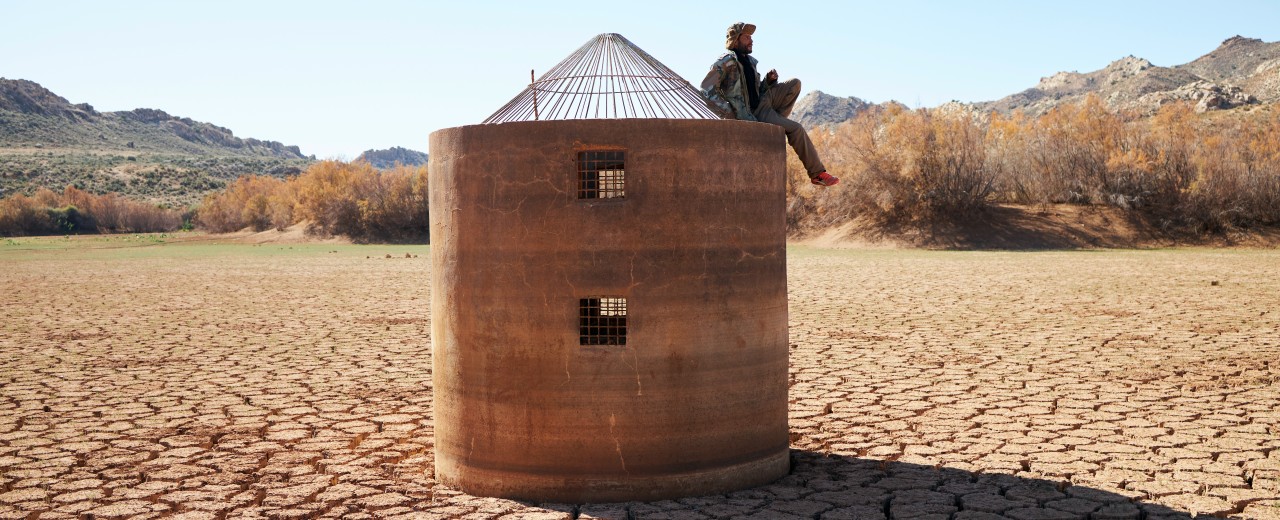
609, 308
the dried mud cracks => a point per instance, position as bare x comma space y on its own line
924, 385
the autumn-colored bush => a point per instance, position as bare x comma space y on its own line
46, 212
253, 201
1182, 170
398, 209
900, 166
359, 201
23, 215
332, 197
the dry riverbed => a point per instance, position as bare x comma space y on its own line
142, 377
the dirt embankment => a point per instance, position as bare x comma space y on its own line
1013, 227
295, 234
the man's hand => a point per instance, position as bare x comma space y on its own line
772, 76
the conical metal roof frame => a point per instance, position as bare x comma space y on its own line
607, 78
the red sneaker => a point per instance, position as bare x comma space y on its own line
825, 179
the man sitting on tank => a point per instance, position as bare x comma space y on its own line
734, 90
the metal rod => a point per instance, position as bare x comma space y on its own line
533, 88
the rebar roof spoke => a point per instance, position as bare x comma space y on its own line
607, 78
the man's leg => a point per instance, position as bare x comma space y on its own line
782, 96
796, 136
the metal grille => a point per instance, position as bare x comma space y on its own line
602, 175
607, 78
602, 321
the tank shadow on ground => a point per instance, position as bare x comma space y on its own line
833, 487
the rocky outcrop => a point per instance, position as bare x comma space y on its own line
1206, 96
28, 97
50, 118
146, 115
389, 158
1241, 71
819, 108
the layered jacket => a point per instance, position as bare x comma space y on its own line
725, 87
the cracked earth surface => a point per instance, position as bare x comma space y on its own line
234, 381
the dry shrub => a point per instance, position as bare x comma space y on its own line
333, 197
397, 206
901, 167
1234, 177
23, 215
1183, 170
252, 201
329, 193
76, 211
361, 202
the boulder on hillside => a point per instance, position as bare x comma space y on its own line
146, 115
1205, 94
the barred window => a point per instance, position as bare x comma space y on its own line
602, 320
602, 174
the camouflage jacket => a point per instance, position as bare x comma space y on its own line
726, 91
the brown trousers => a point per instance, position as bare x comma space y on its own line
775, 106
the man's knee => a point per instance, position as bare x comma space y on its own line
791, 85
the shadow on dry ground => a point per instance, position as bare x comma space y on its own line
822, 486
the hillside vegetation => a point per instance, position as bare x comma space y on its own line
174, 180
1184, 172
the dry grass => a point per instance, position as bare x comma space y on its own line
141, 378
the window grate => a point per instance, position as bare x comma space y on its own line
602, 174
602, 321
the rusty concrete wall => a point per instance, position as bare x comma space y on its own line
696, 401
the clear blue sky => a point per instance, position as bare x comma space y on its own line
337, 78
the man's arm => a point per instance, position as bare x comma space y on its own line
714, 93
712, 81
769, 80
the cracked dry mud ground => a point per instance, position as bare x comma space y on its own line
234, 381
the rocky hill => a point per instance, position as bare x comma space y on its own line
32, 116
1241, 71
389, 158
819, 108
47, 141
